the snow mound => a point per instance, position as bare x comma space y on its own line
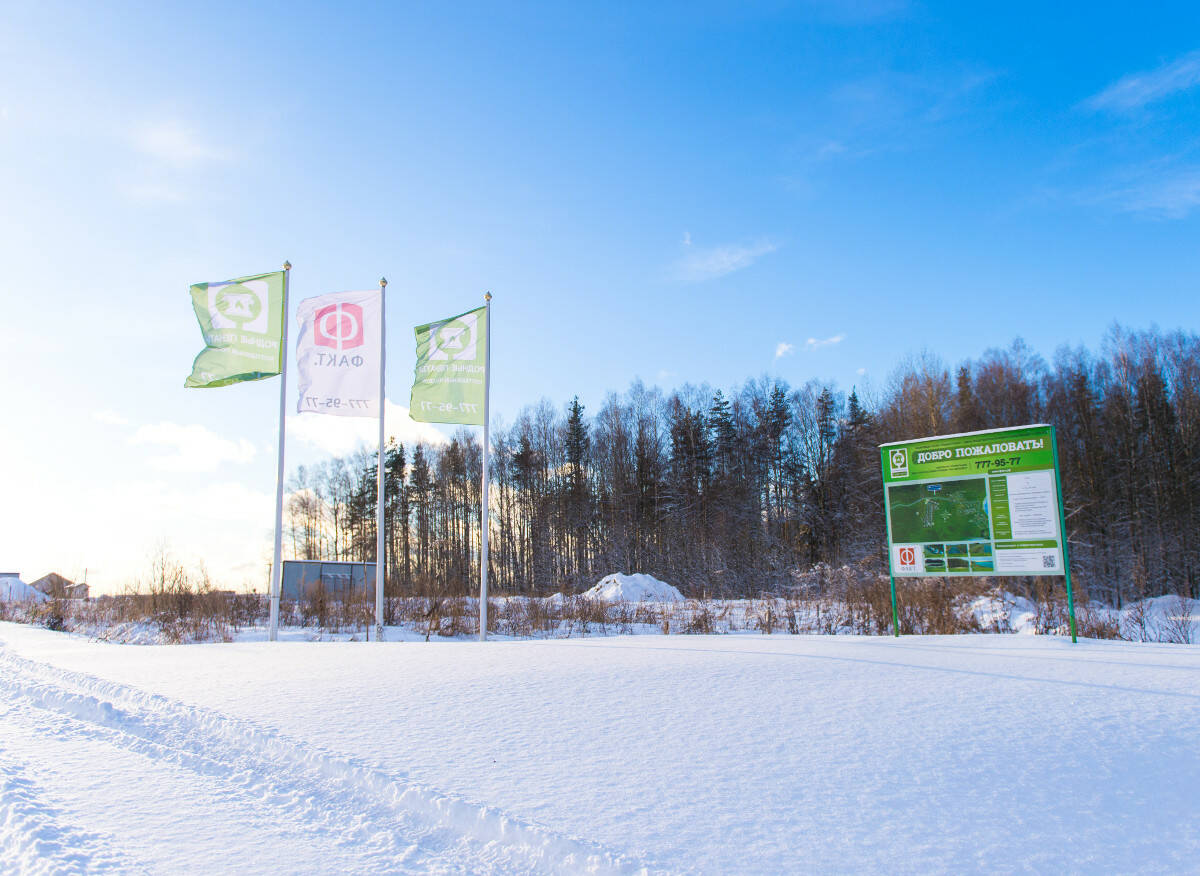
16, 590
633, 588
1005, 611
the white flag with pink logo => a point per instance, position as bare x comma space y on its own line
338, 354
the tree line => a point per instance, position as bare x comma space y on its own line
739, 493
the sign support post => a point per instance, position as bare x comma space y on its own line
1062, 526
895, 612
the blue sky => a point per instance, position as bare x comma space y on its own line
692, 192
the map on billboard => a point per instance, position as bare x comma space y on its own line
980, 503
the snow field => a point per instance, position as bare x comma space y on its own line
713, 754
348, 815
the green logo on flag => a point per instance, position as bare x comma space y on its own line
239, 304
242, 324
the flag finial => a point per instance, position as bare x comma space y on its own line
287, 266
383, 281
487, 296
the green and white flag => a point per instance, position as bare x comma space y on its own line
448, 383
242, 324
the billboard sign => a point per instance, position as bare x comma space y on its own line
979, 503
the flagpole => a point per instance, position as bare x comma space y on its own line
380, 535
276, 562
483, 540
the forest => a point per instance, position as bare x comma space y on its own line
743, 492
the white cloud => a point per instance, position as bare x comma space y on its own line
1137, 90
225, 502
699, 265
687, 238
817, 343
830, 148
1170, 196
341, 435
154, 193
784, 349
1160, 190
109, 418
861, 372
175, 144
195, 448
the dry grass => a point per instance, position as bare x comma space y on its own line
174, 605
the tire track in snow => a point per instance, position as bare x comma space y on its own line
400, 825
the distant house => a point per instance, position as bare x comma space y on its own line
56, 586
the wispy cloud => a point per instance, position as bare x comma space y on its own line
109, 418
783, 348
1169, 194
154, 193
171, 159
1138, 90
818, 343
174, 143
884, 112
700, 264
194, 448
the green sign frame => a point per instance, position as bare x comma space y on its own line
985, 503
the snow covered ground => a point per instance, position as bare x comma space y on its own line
706, 754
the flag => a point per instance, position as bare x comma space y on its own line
448, 384
242, 324
338, 353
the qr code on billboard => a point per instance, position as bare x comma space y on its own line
1048, 561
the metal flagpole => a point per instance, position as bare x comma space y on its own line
380, 540
277, 562
483, 538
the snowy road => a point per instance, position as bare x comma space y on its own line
734, 754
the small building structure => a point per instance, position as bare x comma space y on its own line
56, 586
334, 579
